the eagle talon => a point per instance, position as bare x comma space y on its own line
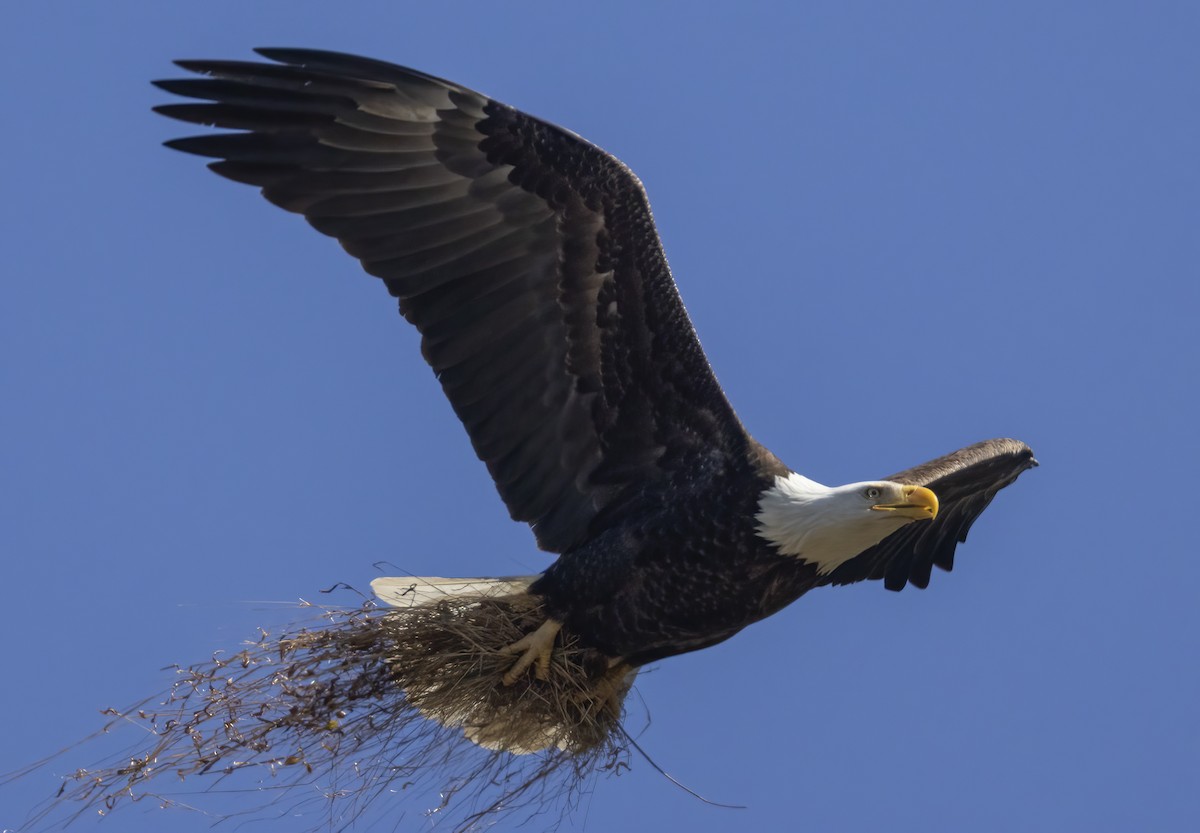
536, 649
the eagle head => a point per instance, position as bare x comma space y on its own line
828, 525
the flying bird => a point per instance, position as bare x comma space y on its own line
528, 260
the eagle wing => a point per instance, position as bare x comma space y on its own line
526, 257
965, 482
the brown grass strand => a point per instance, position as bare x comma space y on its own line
340, 709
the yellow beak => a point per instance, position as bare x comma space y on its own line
919, 503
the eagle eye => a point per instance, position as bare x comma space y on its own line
871, 492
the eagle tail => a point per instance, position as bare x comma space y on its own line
408, 591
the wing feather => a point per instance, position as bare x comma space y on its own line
525, 256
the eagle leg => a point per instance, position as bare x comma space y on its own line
535, 647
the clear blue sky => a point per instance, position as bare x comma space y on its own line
208, 410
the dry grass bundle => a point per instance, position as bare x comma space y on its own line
342, 706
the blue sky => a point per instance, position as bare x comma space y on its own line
210, 412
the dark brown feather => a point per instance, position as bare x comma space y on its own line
526, 257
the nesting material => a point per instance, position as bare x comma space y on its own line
447, 657
371, 700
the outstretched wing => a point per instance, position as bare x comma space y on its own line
965, 483
525, 256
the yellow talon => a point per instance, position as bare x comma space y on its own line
536, 649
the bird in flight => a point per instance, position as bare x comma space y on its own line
528, 260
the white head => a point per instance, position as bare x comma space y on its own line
826, 525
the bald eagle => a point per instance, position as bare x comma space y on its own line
528, 260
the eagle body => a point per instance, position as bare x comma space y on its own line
528, 260
683, 567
